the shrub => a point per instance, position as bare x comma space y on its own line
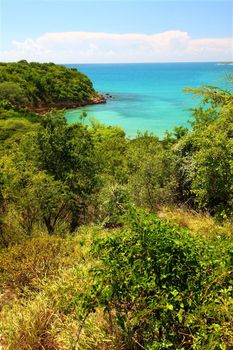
114, 201
158, 283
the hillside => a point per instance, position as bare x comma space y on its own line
112, 243
152, 284
42, 86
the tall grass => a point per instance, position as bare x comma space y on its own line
198, 223
41, 311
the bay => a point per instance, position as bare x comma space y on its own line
147, 97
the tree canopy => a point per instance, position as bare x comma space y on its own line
34, 84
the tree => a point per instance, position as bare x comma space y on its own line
12, 92
66, 153
33, 84
152, 178
206, 153
35, 195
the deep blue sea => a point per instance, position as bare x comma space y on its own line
147, 96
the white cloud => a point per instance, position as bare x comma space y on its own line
88, 47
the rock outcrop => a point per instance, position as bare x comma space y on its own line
46, 107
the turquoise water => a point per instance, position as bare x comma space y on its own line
147, 96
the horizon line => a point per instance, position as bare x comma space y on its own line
152, 62
166, 62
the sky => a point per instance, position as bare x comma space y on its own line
115, 31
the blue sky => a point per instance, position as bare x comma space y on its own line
27, 21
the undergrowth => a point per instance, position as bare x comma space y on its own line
150, 284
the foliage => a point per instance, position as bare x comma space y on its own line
66, 152
110, 146
36, 196
33, 84
114, 202
12, 130
152, 178
51, 175
152, 284
212, 174
157, 282
12, 92
204, 156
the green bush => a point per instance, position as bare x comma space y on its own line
163, 287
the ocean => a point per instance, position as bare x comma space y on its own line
147, 97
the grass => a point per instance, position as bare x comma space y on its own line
198, 223
48, 316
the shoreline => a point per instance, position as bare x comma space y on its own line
46, 107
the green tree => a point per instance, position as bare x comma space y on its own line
110, 146
66, 153
205, 154
37, 198
12, 92
152, 178
35, 85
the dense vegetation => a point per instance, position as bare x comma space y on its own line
111, 243
35, 85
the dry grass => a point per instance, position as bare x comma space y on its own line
29, 326
49, 318
36, 325
199, 223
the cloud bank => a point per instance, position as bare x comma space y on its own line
88, 47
